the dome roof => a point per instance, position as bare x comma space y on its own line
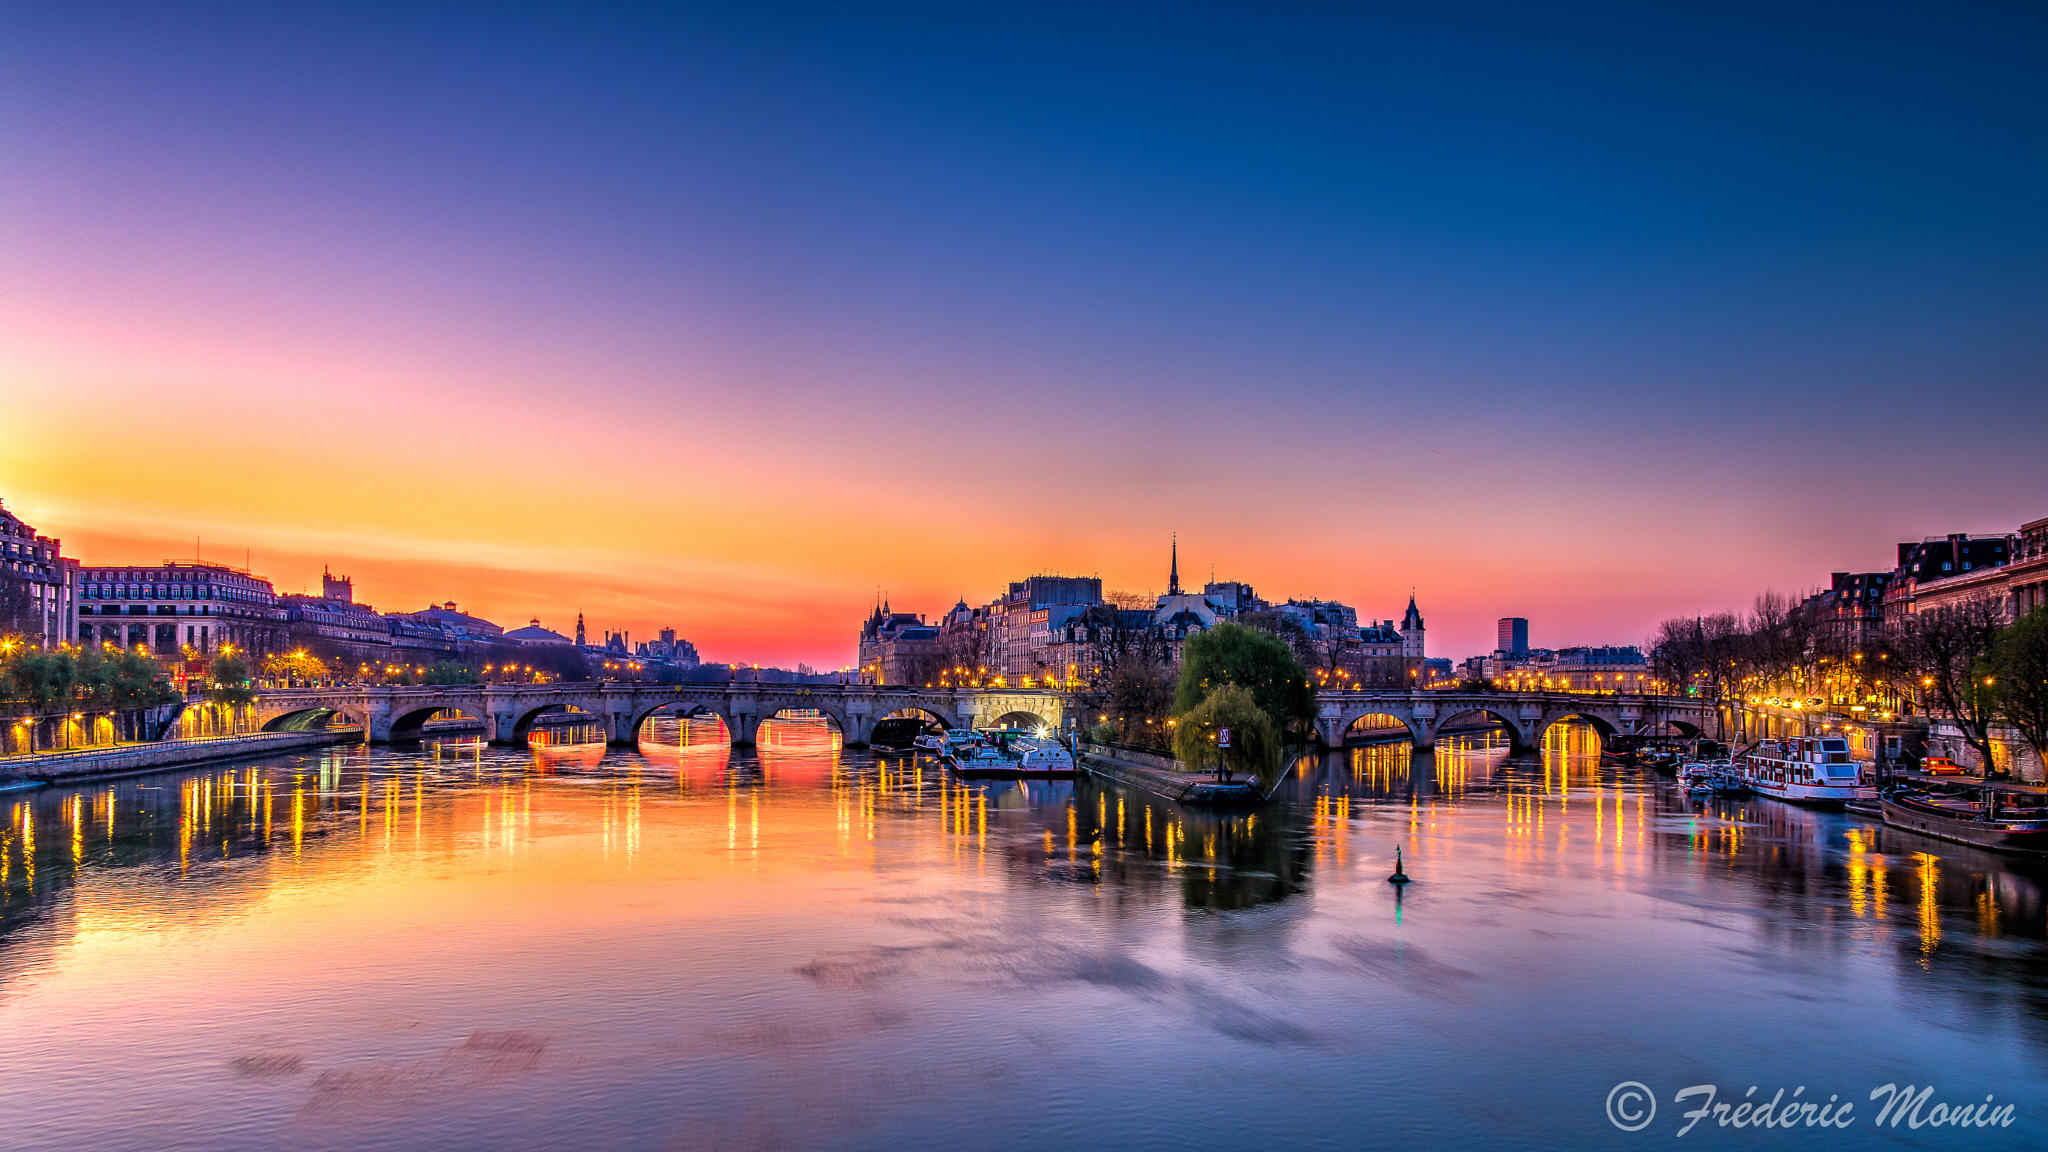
533, 633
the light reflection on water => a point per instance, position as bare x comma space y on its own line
802, 946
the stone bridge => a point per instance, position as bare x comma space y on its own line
1525, 715
509, 711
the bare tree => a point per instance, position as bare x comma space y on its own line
971, 646
1949, 649
921, 667
2019, 661
1777, 640
1706, 655
1678, 651
1120, 631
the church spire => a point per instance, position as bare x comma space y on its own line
1173, 576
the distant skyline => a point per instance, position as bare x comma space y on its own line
726, 318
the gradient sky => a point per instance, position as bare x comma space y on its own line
726, 318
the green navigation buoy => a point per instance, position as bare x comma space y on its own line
1399, 877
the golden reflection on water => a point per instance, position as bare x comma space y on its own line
800, 804
1930, 904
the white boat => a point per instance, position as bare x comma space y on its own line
1696, 777
1804, 770
957, 740
933, 742
1725, 779
978, 758
1005, 754
1040, 757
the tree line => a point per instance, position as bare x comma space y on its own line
1964, 662
42, 683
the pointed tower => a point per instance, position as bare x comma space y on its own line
580, 641
1173, 574
1411, 631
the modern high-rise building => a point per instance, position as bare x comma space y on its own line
1512, 636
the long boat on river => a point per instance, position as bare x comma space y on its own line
2006, 817
1812, 770
1005, 754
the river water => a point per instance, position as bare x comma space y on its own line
798, 947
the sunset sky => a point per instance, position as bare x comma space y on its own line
726, 319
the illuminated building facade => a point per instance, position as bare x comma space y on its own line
898, 647
1942, 561
2010, 570
178, 606
38, 584
1849, 614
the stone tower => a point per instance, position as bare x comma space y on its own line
1411, 632
579, 630
334, 587
1173, 574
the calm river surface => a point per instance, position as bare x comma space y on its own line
568, 948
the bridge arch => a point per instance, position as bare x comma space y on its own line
408, 726
682, 710
1519, 738
1607, 729
790, 721
1040, 710
919, 712
1019, 718
1377, 726
522, 727
923, 712
314, 719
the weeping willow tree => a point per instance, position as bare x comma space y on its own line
1254, 743
1260, 663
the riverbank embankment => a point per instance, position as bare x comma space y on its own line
1164, 776
158, 756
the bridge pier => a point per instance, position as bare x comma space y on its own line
1521, 742
1331, 732
855, 729
1422, 723
743, 727
619, 729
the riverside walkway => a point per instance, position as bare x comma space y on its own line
157, 755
